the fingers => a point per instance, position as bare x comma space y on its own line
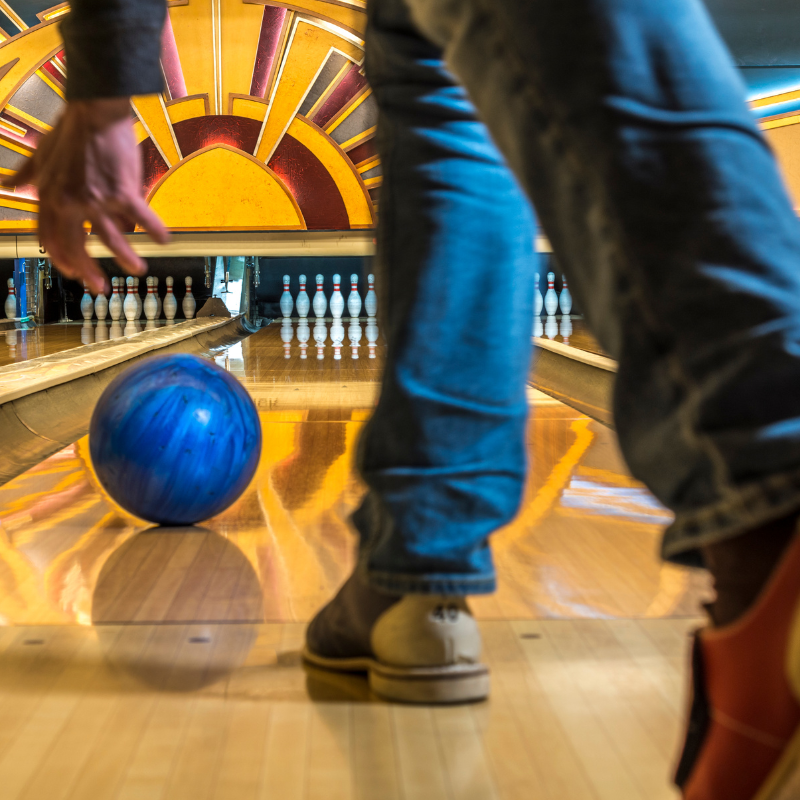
67, 246
113, 238
138, 210
22, 177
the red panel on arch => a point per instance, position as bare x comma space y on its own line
352, 83
363, 152
312, 186
199, 132
153, 165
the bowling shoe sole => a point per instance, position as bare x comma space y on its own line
456, 683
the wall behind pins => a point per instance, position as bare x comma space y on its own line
269, 291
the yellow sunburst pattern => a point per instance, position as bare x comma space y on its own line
266, 121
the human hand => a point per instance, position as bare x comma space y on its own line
89, 168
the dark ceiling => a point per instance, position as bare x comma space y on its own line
760, 32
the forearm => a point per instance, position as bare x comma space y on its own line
113, 48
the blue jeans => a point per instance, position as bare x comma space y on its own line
625, 123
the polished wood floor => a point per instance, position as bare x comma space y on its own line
152, 663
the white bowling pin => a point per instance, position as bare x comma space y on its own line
11, 300
101, 307
287, 304
170, 303
87, 304
337, 300
538, 300
150, 302
320, 303
115, 303
158, 297
303, 335
130, 307
354, 298
138, 299
565, 300
371, 300
303, 304
538, 305
189, 305
551, 298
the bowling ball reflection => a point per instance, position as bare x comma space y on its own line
177, 608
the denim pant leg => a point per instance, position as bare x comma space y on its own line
444, 454
626, 122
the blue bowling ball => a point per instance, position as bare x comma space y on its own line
175, 439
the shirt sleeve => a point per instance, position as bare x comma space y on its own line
113, 48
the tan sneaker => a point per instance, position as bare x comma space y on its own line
414, 648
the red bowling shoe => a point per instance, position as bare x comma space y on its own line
743, 741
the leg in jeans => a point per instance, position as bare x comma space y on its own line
627, 125
444, 453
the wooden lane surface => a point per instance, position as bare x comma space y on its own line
584, 544
22, 345
580, 709
581, 338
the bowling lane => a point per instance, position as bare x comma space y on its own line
583, 545
17, 345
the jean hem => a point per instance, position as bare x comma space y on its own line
460, 585
753, 505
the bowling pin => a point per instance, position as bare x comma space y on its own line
101, 307
320, 303
130, 307
138, 299
371, 300
158, 297
87, 304
303, 335
11, 301
170, 303
303, 304
150, 302
115, 304
551, 298
354, 335
337, 300
565, 300
372, 336
188, 305
538, 305
287, 304
287, 334
354, 298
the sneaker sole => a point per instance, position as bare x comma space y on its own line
458, 683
